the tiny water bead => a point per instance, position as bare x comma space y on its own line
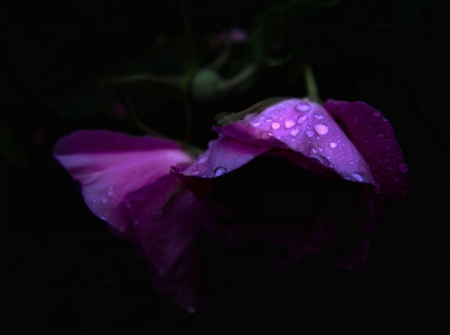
318, 116
302, 107
289, 124
195, 173
220, 171
309, 133
333, 145
321, 128
358, 176
275, 125
302, 118
256, 124
403, 167
294, 132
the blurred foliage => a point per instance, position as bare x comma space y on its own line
386, 53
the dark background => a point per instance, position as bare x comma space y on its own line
64, 270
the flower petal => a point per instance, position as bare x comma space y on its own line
374, 137
166, 220
307, 128
223, 156
109, 165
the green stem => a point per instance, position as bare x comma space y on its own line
311, 85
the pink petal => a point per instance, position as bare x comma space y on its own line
304, 127
166, 220
109, 165
374, 137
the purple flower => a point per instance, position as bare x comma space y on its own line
125, 181
290, 176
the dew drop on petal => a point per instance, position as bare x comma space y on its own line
219, 171
289, 124
195, 173
376, 114
313, 150
333, 145
358, 176
321, 128
321, 159
104, 200
275, 125
294, 132
302, 119
110, 193
320, 149
302, 107
256, 124
309, 133
403, 167
318, 116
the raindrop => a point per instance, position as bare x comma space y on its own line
309, 133
403, 167
195, 173
333, 145
289, 124
294, 132
376, 114
110, 193
275, 125
302, 119
220, 171
322, 160
256, 124
104, 200
269, 120
321, 128
302, 107
358, 176
313, 150
318, 116
202, 159
320, 149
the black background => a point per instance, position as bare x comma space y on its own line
65, 270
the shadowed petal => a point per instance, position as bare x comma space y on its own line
166, 220
374, 137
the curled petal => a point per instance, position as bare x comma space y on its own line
109, 165
374, 138
166, 221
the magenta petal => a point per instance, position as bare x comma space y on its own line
374, 137
306, 128
223, 156
109, 165
166, 220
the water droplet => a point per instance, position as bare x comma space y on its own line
380, 135
376, 114
269, 120
302, 107
403, 167
322, 160
302, 119
358, 176
289, 124
321, 128
275, 125
104, 200
102, 218
314, 151
220, 171
202, 159
352, 162
333, 145
256, 124
320, 149
195, 173
110, 193
309, 133
294, 132
318, 116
